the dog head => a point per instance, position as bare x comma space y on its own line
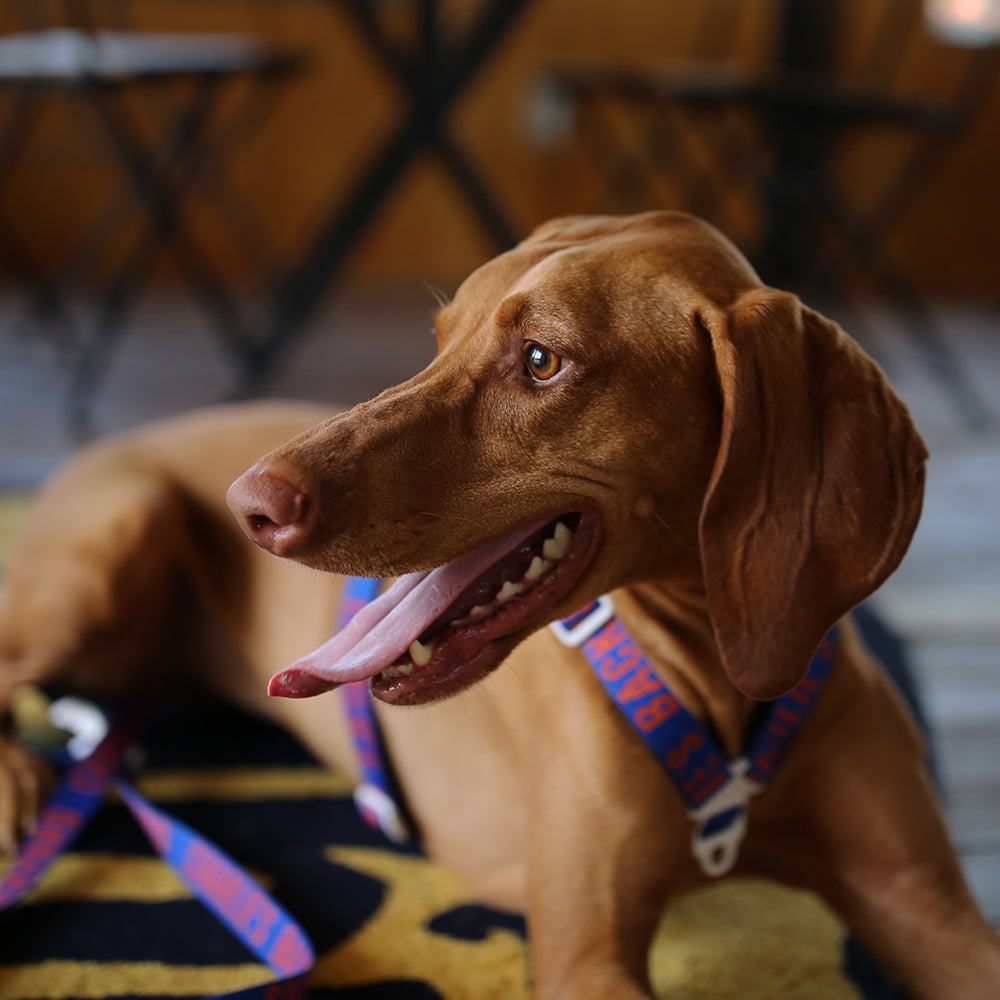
615, 400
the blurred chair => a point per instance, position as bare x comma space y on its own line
116, 74
712, 139
431, 70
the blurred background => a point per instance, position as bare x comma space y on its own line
202, 199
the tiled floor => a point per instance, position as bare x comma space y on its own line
945, 599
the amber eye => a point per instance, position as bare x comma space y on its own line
542, 363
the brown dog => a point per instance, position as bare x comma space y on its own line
728, 464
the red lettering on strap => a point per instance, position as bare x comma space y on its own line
56, 823
766, 761
786, 714
648, 717
612, 666
258, 917
698, 794
288, 949
678, 757
88, 779
604, 641
644, 681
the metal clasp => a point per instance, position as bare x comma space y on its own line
717, 852
600, 613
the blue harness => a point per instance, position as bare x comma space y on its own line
715, 790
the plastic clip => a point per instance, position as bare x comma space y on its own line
597, 615
717, 852
381, 812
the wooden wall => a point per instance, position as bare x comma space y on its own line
328, 123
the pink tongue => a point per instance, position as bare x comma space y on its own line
382, 631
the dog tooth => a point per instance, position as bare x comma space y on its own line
558, 545
539, 567
398, 670
563, 535
478, 610
509, 590
421, 654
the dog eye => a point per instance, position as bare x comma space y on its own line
542, 364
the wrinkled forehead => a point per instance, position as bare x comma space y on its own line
600, 263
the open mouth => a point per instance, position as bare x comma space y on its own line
434, 633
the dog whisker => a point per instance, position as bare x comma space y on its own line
440, 296
659, 519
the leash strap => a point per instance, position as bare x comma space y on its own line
235, 898
70, 808
716, 791
375, 795
213, 877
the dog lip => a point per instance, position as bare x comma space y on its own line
419, 689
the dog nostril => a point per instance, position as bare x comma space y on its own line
271, 509
259, 522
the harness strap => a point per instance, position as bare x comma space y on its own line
715, 790
375, 795
213, 877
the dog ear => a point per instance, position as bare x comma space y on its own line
816, 489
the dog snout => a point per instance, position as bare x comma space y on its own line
271, 509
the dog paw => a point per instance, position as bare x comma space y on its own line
25, 782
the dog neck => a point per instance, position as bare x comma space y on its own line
672, 626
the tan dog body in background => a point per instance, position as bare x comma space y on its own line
737, 473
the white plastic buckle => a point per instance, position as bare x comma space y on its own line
717, 852
370, 799
578, 634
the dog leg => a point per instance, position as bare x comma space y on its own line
597, 891
607, 840
906, 900
25, 781
83, 608
890, 869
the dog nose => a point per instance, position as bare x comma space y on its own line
270, 508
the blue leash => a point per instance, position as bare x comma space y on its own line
211, 875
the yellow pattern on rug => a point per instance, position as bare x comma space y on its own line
396, 943
60, 979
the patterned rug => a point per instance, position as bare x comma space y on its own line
112, 920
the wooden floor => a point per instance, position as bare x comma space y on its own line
945, 599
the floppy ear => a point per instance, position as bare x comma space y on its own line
816, 489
